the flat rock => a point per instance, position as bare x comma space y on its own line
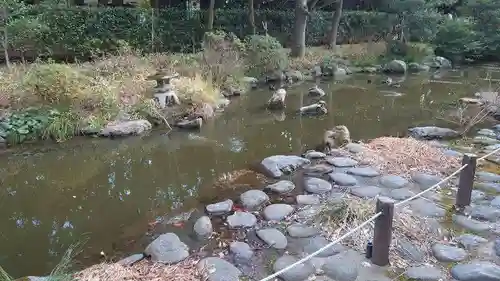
363, 172
392, 181
283, 186
298, 230
241, 250
343, 179
131, 260
300, 272
317, 170
470, 224
341, 268
400, 193
253, 199
495, 202
217, 269
447, 253
241, 219
310, 199
277, 212
366, 191
126, 128
273, 238
312, 244
317, 185
427, 208
167, 249
425, 180
476, 271
220, 208
432, 132
312, 154
203, 227
484, 140
409, 252
342, 162
308, 212
488, 186
278, 165
424, 273
496, 247
487, 176
482, 212
470, 241
477, 195
487, 132
354, 147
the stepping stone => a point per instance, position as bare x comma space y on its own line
470, 241
363, 172
342, 162
343, 179
241, 220
366, 191
310, 199
312, 244
354, 147
278, 165
203, 227
317, 170
277, 212
484, 140
283, 186
487, 176
492, 147
470, 224
409, 252
309, 212
393, 182
317, 186
400, 193
427, 209
495, 202
302, 231
425, 180
488, 186
273, 238
167, 249
476, 271
252, 199
446, 253
220, 208
314, 155
300, 272
487, 133
496, 247
424, 273
217, 269
482, 212
477, 195
241, 250
341, 267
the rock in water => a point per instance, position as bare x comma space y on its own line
318, 108
396, 66
316, 91
277, 101
126, 128
167, 249
203, 227
279, 164
432, 132
190, 124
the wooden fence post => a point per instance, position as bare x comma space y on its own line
382, 233
466, 181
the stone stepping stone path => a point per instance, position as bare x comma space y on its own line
317, 185
277, 212
393, 182
253, 199
273, 238
343, 179
363, 172
342, 162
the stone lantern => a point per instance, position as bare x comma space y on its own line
164, 92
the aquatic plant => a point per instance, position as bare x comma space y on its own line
24, 125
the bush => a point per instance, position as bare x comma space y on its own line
458, 40
408, 52
265, 54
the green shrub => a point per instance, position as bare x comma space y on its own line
265, 54
457, 40
408, 52
25, 125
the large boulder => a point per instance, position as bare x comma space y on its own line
278, 165
396, 66
432, 132
126, 128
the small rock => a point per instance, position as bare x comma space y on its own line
310, 199
273, 237
220, 208
343, 179
424, 273
314, 155
394, 182
278, 164
283, 186
241, 250
470, 224
341, 268
487, 176
432, 132
300, 272
167, 249
354, 147
302, 231
317, 185
446, 253
366, 191
470, 241
277, 212
253, 199
427, 209
363, 172
131, 260
241, 219
425, 180
216, 269
342, 162
203, 227
476, 271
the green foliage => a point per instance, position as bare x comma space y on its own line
62, 126
25, 125
265, 54
408, 52
458, 40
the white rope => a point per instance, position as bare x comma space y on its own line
322, 249
489, 154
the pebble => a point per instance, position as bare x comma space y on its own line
341, 267
470, 241
446, 253
298, 230
309, 199
423, 273
220, 208
476, 271
427, 208
342, 162
343, 179
312, 154
167, 249
241, 219
317, 185
273, 238
283, 186
253, 199
203, 227
300, 272
470, 224
366, 191
363, 172
425, 180
241, 250
277, 212
392, 181
487, 176
354, 147
217, 269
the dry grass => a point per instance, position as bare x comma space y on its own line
406, 156
142, 271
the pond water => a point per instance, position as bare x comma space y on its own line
107, 191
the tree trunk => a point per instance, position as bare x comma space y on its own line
5, 16
299, 29
332, 36
251, 16
211, 15
117, 3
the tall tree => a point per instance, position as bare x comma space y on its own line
211, 15
332, 35
251, 15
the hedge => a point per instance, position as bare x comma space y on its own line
83, 30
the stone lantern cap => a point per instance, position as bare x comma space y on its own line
162, 76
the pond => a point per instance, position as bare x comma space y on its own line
107, 191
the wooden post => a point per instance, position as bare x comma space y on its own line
382, 233
466, 181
